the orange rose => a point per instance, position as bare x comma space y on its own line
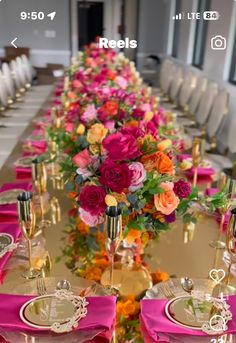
96, 133
167, 201
133, 235
111, 108
159, 276
149, 161
164, 165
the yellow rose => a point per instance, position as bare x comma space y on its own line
185, 165
110, 200
148, 116
96, 133
80, 129
164, 145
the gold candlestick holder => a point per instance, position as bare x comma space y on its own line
27, 221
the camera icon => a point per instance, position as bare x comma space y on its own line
218, 43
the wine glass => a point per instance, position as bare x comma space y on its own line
27, 221
39, 175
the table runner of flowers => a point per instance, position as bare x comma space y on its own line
118, 147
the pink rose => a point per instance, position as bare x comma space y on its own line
90, 219
82, 159
69, 127
121, 147
89, 114
84, 172
138, 176
121, 82
92, 199
110, 125
167, 201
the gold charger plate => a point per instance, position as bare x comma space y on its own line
42, 312
188, 312
10, 196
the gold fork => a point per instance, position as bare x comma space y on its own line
41, 286
167, 292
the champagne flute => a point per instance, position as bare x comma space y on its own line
39, 176
231, 248
229, 185
113, 226
196, 157
27, 221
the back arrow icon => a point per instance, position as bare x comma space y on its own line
12, 43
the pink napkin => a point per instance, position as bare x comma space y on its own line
23, 173
101, 316
14, 230
202, 172
211, 191
8, 213
159, 327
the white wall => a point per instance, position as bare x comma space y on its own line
32, 33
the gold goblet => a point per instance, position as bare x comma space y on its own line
39, 175
27, 221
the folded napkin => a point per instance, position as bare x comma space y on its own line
202, 171
8, 213
14, 230
23, 173
159, 328
101, 316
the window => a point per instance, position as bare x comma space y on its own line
200, 35
232, 75
178, 6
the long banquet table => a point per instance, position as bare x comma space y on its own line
194, 259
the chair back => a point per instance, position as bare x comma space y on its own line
206, 103
197, 94
220, 109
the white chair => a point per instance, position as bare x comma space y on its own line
166, 76
16, 76
206, 103
9, 81
197, 94
3, 91
219, 109
21, 71
177, 81
28, 68
187, 89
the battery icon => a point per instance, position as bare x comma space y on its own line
211, 15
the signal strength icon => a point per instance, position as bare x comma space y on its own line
178, 16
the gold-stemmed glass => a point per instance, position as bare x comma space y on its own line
113, 228
196, 157
231, 248
39, 175
229, 185
27, 221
